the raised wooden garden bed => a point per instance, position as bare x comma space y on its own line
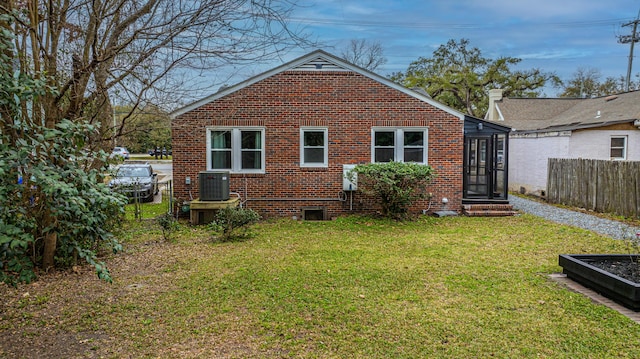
612, 275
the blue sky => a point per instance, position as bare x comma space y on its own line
554, 35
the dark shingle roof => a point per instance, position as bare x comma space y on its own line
555, 114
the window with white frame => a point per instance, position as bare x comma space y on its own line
238, 150
314, 150
619, 147
399, 145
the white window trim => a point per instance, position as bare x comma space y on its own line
325, 162
398, 151
624, 148
236, 152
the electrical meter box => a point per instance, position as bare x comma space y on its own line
349, 184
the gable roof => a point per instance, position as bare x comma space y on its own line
566, 114
318, 60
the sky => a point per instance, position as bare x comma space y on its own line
557, 36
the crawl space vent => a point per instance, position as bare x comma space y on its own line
314, 213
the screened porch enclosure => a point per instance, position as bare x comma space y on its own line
485, 166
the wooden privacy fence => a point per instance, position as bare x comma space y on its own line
598, 185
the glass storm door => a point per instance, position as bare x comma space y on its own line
485, 167
476, 171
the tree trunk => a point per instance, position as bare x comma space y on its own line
50, 243
49, 223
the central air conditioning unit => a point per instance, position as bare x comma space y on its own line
213, 186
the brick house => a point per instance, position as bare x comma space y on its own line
286, 135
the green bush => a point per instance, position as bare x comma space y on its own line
396, 185
54, 205
169, 224
230, 220
55, 192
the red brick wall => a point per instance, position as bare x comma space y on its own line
348, 104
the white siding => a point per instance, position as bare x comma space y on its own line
528, 159
597, 144
528, 155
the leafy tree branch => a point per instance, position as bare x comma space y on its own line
461, 77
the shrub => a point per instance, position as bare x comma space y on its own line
169, 224
54, 205
231, 219
396, 185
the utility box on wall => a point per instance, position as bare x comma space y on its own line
347, 184
213, 186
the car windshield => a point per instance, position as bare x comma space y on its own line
133, 172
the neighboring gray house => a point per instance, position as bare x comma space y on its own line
604, 128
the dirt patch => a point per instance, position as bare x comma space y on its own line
73, 314
627, 269
62, 315
35, 318
33, 343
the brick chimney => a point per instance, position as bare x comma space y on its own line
493, 114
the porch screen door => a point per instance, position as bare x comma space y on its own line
477, 171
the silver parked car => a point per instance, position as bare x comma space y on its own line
120, 152
136, 181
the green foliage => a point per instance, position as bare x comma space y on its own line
230, 220
49, 184
461, 77
169, 224
144, 129
47, 187
14, 264
396, 185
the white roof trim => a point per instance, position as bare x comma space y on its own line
310, 62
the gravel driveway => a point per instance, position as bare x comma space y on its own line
607, 227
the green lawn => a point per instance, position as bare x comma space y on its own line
146, 157
350, 288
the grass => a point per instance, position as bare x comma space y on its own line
147, 157
355, 287
146, 211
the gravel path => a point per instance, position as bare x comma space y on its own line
607, 227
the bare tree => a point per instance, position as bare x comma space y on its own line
368, 55
132, 52
586, 82
97, 52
